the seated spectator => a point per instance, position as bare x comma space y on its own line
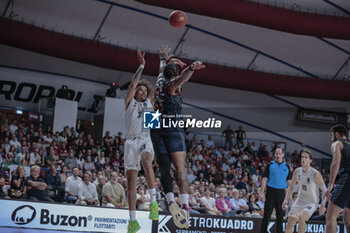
71, 159
215, 176
18, 187
190, 175
143, 199
3, 194
238, 204
242, 184
87, 194
209, 203
254, 208
80, 160
36, 187
209, 142
72, 186
88, 165
99, 187
113, 193
53, 181
223, 205
261, 203
193, 201
63, 175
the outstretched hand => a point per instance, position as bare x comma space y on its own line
141, 57
197, 65
164, 52
177, 62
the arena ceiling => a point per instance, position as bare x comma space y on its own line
132, 24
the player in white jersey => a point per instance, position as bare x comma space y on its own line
310, 182
138, 146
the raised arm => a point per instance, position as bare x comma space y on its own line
335, 165
164, 51
135, 79
288, 196
185, 75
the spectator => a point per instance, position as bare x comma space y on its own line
191, 176
215, 176
228, 134
63, 175
36, 187
13, 127
209, 203
237, 204
72, 187
99, 187
88, 165
87, 194
18, 187
2, 192
240, 136
143, 199
209, 142
53, 181
80, 161
26, 160
71, 159
113, 193
254, 208
223, 205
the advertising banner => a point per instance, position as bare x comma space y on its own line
68, 217
219, 224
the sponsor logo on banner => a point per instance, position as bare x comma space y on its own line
68, 217
220, 224
23, 215
151, 120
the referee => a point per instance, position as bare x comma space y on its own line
275, 181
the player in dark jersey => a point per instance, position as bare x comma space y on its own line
169, 143
340, 196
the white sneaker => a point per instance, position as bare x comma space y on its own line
180, 217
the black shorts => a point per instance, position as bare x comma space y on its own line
341, 193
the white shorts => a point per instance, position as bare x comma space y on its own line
298, 209
134, 149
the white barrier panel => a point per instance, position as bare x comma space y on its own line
66, 112
114, 120
68, 217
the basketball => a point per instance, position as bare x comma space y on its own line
178, 19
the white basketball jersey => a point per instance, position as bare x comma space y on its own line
134, 117
308, 189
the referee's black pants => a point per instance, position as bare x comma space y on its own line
274, 199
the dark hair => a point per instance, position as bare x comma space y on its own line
307, 152
340, 129
146, 84
170, 70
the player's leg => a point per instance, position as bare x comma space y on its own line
147, 161
131, 167
131, 176
331, 217
340, 197
292, 220
303, 217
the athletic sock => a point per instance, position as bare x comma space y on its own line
152, 193
170, 197
184, 199
132, 214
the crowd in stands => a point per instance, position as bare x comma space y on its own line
71, 167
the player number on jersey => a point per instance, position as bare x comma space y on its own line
304, 187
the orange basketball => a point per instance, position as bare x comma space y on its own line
177, 19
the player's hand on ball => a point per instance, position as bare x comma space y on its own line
141, 57
197, 65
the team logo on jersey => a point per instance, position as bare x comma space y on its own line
151, 120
